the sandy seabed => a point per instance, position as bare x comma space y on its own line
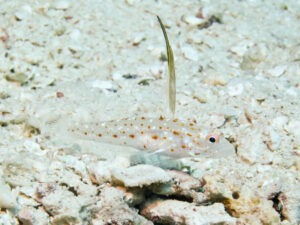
68, 63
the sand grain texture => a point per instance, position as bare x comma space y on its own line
68, 63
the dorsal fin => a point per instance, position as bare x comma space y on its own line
171, 72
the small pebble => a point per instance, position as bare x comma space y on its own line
23, 13
276, 71
192, 20
61, 5
138, 38
273, 140
59, 94
190, 53
7, 200
140, 175
101, 84
235, 90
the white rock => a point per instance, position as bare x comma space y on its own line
280, 122
75, 34
156, 70
276, 71
61, 5
130, 2
235, 90
240, 48
253, 149
7, 218
207, 11
58, 200
178, 212
192, 20
32, 216
292, 92
138, 38
251, 207
190, 53
273, 139
7, 200
290, 202
182, 184
28, 200
100, 172
117, 75
154, 51
112, 207
75, 164
254, 55
101, 84
24, 12
140, 175
32, 146
133, 196
214, 187
293, 127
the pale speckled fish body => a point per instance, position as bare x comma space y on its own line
170, 137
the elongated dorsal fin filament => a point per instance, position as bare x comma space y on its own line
171, 72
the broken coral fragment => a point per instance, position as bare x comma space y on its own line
140, 175
178, 212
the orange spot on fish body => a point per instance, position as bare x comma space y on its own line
99, 135
154, 137
176, 132
115, 136
131, 135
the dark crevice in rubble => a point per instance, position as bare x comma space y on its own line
70, 188
276, 198
151, 195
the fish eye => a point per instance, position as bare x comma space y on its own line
212, 138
